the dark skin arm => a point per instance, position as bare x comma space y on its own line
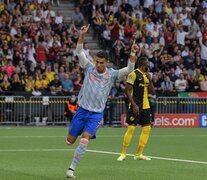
128, 89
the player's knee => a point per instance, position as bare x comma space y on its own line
84, 141
69, 141
146, 129
130, 129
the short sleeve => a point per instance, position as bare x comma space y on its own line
131, 78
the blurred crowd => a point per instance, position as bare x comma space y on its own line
37, 45
37, 49
172, 34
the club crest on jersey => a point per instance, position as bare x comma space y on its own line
93, 77
106, 76
131, 118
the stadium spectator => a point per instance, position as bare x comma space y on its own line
43, 67
167, 86
9, 69
29, 83
198, 70
118, 45
61, 73
169, 38
78, 82
16, 83
55, 86
30, 54
114, 27
49, 74
58, 18
152, 102
172, 27
52, 54
48, 12
41, 53
172, 75
203, 50
180, 35
41, 84
22, 70
55, 1
55, 68
181, 84
97, 23
165, 58
67, 84
203, 84
5, 84
106, 38
157, 84
32, 70
108, 114
71, 106
77, 18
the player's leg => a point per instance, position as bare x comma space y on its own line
89, 132
146, 128
71, 139
78, 154
75, 129
142, 142
76, 126
126, 141
131, 121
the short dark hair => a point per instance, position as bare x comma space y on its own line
102, 54
141, 61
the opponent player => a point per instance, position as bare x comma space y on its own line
138, 84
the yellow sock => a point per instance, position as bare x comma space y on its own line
143, 139
127, 138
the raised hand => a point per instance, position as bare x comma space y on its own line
84, 29
135, 47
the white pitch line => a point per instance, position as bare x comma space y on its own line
35, 150
32, 136
100, 152
153, 157
108, 136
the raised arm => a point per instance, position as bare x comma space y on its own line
125, 71
79, 48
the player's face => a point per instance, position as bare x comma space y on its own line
100, 64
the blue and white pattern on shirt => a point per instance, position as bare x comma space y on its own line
96, 88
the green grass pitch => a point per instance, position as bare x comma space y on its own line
40, 153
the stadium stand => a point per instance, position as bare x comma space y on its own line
38, 40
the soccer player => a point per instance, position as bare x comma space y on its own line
137, 87
92, 97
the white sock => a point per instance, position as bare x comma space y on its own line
79, 152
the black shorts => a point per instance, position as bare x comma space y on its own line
142, 119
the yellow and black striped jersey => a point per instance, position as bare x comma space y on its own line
140, 84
